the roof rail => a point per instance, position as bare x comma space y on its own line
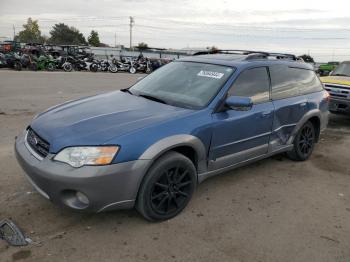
251, 54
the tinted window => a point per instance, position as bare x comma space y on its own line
283, 82
309, 82
288, 82
253, 83
342, 70
184, 84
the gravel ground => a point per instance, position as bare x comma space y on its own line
273, 210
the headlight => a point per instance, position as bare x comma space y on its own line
87, 155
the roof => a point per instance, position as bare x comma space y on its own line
244, 58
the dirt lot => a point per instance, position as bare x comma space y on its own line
274, 210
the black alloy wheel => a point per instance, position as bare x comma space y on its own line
167, 187
171, 190
306, 140
304, 143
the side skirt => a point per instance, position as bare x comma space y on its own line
203, 176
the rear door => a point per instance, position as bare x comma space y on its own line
242, 135
289, 102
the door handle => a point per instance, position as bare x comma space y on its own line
303, 104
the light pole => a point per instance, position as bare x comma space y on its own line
132, 22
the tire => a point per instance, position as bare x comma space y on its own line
67, 67
113, 69
132, 70
50, 67
93, 68
167, 187
33, 66
304, 143
17, 66
148, 70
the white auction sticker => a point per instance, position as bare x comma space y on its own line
210, 74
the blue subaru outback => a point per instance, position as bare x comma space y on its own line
148, 146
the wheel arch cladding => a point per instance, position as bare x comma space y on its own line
187, 145
316, 122
314, 116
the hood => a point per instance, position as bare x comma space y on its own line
98, 119
340, 80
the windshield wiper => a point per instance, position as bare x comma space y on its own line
126, 90
153, 98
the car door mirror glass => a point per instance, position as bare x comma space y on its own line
239, 103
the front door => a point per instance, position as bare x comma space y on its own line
240, 135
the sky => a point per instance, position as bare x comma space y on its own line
319, 28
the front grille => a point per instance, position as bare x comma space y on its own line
338, 91
337, 86
37, 144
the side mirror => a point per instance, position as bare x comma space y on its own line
239, 103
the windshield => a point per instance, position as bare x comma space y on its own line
184, 84
342, 70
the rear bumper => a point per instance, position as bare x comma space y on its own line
339, 106
106, 187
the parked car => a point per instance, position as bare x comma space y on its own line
326, 69
148, 146
338, 86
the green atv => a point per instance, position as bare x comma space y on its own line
326, 69
46, 62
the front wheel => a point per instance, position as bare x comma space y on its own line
132, 70
113, 69
67, 67
167, 187
304, 143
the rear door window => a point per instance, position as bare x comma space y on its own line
283, 82
289, 82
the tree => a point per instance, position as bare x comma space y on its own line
62, 34
94, 39
31, 33
213, 49
103, 45
142, 46
307, 58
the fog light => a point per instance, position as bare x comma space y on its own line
82, 198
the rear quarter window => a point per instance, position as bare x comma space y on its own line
289, 82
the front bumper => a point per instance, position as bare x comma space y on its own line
106, 187
339, 105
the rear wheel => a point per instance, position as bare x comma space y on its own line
50, 67
148, 70
93, 67
167, 187
33, 66
17, 66
304, 143
67, 67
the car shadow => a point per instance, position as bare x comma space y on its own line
339, 121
